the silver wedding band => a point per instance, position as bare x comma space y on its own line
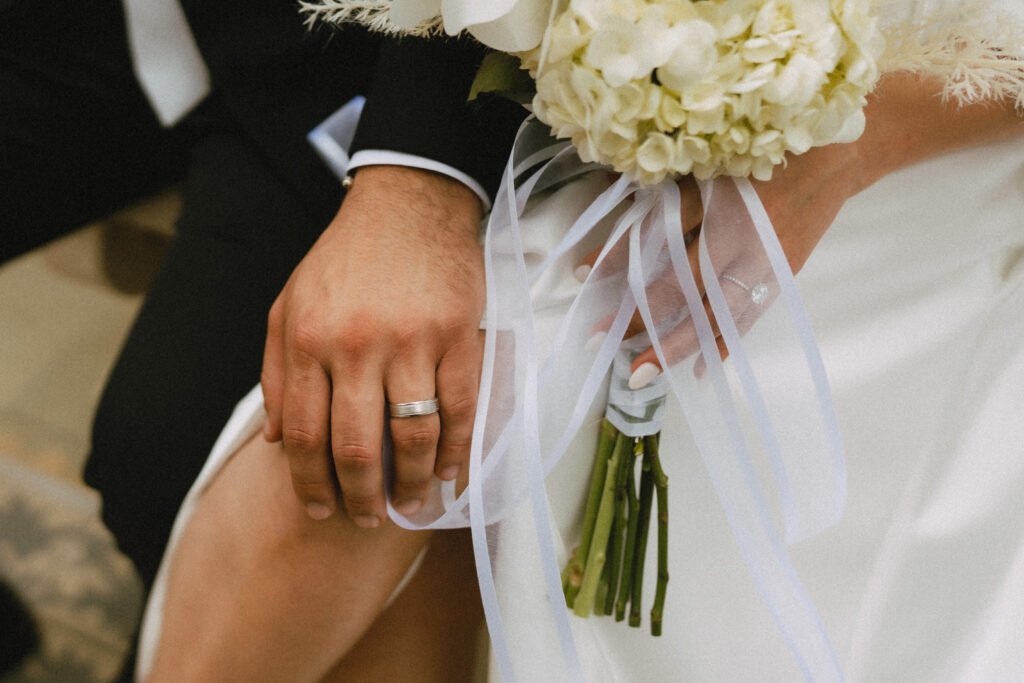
758, 293
413, 408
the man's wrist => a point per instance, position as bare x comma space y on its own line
421, 190
386, 157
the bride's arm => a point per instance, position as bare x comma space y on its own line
907, 122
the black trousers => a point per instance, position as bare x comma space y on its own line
78, 139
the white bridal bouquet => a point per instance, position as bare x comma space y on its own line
708, 88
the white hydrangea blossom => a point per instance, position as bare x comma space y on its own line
663, 87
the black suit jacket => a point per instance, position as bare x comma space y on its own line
281, 79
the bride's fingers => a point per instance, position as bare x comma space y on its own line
677, 346
618, 256
743, 325
615, 261
665, 300
684, 341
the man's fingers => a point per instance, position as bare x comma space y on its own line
415, 437
272, 374
357, 426
305, 432
457, 383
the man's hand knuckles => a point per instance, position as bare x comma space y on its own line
310, 486
303, 440
358, 334
357, 502
416, 438
355, 458
307, 337
454, 448
459, 405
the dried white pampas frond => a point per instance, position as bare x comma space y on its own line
373, 14
980, 53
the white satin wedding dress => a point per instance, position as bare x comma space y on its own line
916, 294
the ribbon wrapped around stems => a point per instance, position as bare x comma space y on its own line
770, 404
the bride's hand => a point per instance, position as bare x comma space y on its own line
907, 122
802, 200
385, 307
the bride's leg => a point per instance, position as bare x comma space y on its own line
433, 631
259, 591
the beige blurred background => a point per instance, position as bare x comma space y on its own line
64, 312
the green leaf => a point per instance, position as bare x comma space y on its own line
501, 73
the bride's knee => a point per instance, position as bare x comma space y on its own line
251, 512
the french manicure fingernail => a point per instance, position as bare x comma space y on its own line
367, 521
408, 507
449, 473
643, 375
581, 273
318, 511
593, 344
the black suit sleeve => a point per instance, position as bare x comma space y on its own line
418, 105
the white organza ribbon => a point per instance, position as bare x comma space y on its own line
769, 409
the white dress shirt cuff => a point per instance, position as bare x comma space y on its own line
381, 157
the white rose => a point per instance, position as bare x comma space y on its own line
657, 153
707, 121
620, 51
761, 168
595, 12
567, 38
762, 49
797, 139
732, 18
697, 149
671, 114
797, 83
693, 57
769, 19
756, 78
852, 128
652, 87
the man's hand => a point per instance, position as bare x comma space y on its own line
385, 307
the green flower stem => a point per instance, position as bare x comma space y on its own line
598, 549
661, 486
643, 526
633, 505
572, 577
618, 527
602, 585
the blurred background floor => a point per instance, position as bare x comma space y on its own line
64, 312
